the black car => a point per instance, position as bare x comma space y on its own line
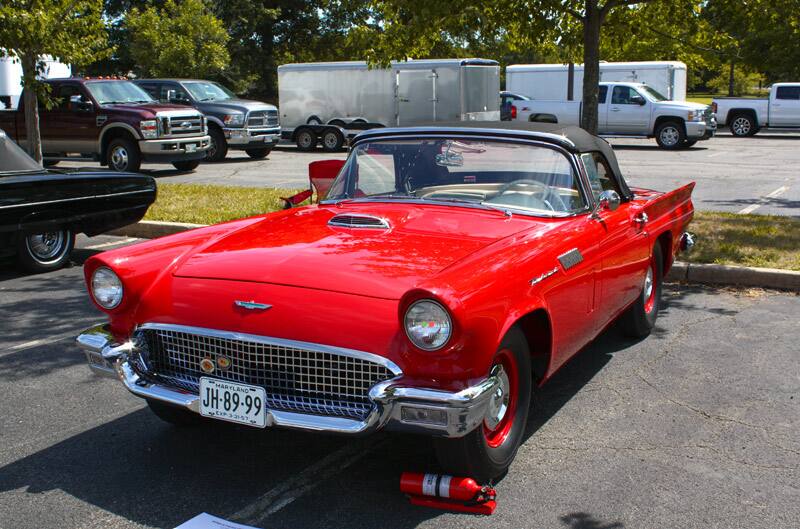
233, 123
42, 210
506, 101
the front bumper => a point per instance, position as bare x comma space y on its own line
700, 130
397, 407
174, 149
249, 138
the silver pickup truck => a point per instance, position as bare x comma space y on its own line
631, 110
746, 116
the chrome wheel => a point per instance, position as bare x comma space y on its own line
741, 126
211, 152
670, 136
498, 405
119, 158
305, 140
46, 248
649, 290
331, 141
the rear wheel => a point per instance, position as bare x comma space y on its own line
123, 155
174, 415
258, 154
639, 320
42, 252
743, 125
670, 135
186, 165
332, 140
217, 147
486, 452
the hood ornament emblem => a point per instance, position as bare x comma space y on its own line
251, 305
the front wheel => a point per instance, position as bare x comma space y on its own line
670, 135
258, 154
43, 252
124, 156
217, 147
186, 165
486, 453
639, 320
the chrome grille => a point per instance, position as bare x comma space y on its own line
321, 382
184, 125
262, 118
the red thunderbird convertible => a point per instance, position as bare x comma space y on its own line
445, 273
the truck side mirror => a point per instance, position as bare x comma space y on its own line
638, 100
172, 97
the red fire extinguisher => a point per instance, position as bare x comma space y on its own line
448, 492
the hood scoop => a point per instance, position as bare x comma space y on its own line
360, 221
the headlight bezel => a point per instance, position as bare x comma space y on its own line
149, 128
233, 120
116, 299
408, 330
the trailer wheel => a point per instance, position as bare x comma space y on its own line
337, 123
332, 140
306, 140
313, 120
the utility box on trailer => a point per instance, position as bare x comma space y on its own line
11, 77
550, 81
351, 95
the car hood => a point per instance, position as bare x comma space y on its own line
299, 247
149, 109
682, 105
241, 105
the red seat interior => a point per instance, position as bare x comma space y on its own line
322, 174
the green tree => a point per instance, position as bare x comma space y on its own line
70, 30
182, 39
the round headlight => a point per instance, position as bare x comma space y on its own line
428, 325
106, 288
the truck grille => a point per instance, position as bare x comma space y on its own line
262, 118
296, 378
191, 125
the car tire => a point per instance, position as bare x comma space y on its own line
123, 155
688, 144
306, 140
332, 141
174, 415
217, 147
43, 252
258, 154
186, 165
743, 125
638, 321
670, 135
486, 453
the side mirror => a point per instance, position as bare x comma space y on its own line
84, 106
607, 201
638, 100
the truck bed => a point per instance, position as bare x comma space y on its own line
725, 104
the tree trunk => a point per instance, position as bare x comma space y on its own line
731, 82
31, 103
591, 65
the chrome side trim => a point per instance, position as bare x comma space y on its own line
61, 200
280, 342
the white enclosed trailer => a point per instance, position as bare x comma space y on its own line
11, 77
549, 81
351, 95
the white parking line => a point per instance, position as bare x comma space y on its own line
111, 243
774, 194
715, 154
293, 488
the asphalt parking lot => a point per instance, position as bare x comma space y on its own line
697, 426
748, 175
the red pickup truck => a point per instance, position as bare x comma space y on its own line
115, 122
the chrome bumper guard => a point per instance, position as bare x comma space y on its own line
249, 136
397, 407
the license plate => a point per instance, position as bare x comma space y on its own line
191, 147
231, 401
267, 139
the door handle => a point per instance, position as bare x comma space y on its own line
641, 219
615, 109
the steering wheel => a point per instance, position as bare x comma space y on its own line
545, 195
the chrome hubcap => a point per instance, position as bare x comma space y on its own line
119, 158
331, 140
669, 136
648, 284
305, 139
741, 126
498, 405
46, 246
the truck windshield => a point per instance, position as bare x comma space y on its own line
207, 91
485, 173
13, 159
654, 94
117, 92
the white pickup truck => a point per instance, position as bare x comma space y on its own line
633, 110
747, 116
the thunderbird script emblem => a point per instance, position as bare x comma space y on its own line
251, 305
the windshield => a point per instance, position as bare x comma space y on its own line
654, 94
206, 91
111, 92
489, 173
13, 159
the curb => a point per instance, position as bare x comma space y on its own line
713, 274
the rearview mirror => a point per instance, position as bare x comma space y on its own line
607, 201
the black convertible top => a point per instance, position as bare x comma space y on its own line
572, 138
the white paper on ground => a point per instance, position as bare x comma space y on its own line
206, 521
